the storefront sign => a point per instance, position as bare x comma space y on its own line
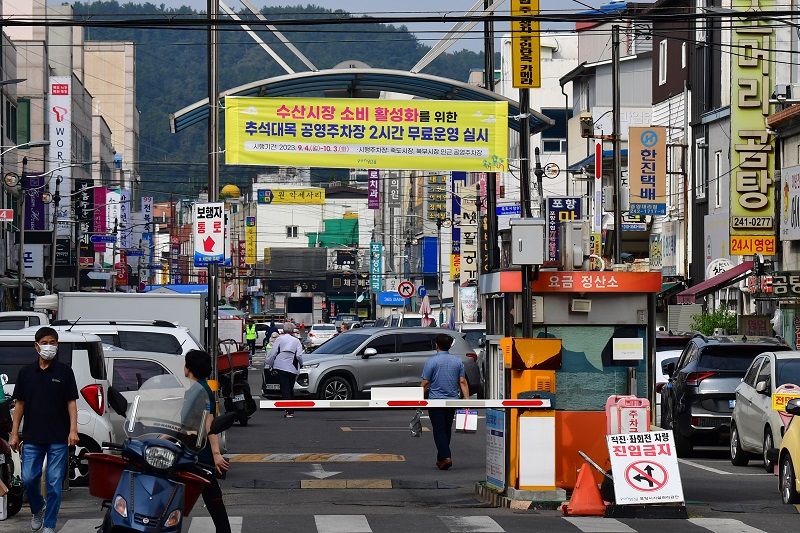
437, 197
752, 206
790, 204
525, 52
291, 196
345, 133
374, 189
469, 241
559, 209
597, 282
375, 266
59, 153
648, 170
250, 241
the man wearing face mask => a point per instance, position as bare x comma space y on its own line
45, 394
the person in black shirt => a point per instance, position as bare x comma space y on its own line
45, 394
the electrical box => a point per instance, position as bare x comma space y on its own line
573, 244
527, 241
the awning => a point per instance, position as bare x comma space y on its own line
589, 161
720, 281
341, 297
670, 288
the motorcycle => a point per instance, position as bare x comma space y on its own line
233, 382
153, 483
9, 459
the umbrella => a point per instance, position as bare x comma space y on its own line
452, 322
425, 310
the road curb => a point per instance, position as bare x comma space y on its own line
496, 499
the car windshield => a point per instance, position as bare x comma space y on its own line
163, 408
787, 371
328, 328
473, 336
343, 344
732, 358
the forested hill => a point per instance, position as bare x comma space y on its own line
171, 70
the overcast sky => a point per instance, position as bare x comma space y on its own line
406, 8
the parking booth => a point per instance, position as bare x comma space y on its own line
604, 326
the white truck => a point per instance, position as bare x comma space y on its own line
187, 310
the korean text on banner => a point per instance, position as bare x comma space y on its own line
525, 50
100, 194
375, 266
209, 234
645, 468
648, 170
59, 106
368, 134
124, 218
752, 204
374, 189
250, 241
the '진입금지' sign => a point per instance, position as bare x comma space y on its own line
645, 467
369, 134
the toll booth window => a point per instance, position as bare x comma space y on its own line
589, 374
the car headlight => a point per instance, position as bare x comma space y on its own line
310, 365
159, 457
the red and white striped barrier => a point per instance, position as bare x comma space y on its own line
540, 403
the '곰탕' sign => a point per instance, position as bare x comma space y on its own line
371, 134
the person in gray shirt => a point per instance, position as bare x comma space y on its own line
286, 357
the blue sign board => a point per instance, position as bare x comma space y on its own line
508, 210
634, 226
375, 266
104, 238
135, 253
422, 291
155, 267
390, 298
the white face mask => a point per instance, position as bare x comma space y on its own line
48, 351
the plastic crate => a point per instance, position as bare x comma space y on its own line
104, 473
239, 359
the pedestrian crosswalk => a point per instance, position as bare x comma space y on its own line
502, 523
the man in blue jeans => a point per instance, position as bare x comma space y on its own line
45, 394
442, 376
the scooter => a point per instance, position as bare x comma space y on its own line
9, 459
153, 483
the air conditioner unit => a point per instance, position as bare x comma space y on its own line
538, 310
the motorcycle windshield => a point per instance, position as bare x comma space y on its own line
163, 408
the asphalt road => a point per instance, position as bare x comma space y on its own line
362, 471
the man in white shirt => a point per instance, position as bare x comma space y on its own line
286, 356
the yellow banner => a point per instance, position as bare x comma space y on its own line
291, 196
250, 241
780, 399
369, 134
748, 245
525, 51
455, 267
752, 204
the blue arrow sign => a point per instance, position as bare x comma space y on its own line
104, 238
422, 291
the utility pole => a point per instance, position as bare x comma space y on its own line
23, 192
56, 201
525, 201
213, 171
616, 134
491, 177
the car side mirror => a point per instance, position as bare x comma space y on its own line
762, 387
793, 406
369, 352
668, 368
117, 402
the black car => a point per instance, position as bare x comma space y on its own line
697, 402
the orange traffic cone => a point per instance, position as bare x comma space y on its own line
586, 499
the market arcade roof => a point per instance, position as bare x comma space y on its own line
352, 82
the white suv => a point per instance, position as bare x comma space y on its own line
84, 353
137, 335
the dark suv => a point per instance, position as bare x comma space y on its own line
697, 402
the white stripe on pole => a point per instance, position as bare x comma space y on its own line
542, 403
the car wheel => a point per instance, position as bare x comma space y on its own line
787, 481
738, 456
77, 465
335, 388
769, 466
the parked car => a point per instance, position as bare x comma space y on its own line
137, 335
697, 402
406, 320
128, 370
22, 319
368, 323
352, 363
320, 333
756, 427
669, 346
787, 456
345, 317
84, 353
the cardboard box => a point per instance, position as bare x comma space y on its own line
466, 420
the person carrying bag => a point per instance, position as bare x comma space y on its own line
286, 357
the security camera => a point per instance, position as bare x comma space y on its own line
587, 125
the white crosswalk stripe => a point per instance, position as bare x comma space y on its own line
332, 523
724, 525
598, 524
81, 526
471, 524
204, 524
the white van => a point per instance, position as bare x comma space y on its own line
10, 320
137, 335
84, 353
407, 320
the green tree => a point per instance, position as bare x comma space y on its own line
706, 323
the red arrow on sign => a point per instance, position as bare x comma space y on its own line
208, 244
6, 215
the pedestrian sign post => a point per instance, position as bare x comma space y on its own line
405, 289
645, 468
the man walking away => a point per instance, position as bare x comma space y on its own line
250, 336
286, 356
442, 376
46, 395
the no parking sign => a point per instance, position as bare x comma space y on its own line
645, 468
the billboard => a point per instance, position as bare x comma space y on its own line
647, 155
367, 134
525, 49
